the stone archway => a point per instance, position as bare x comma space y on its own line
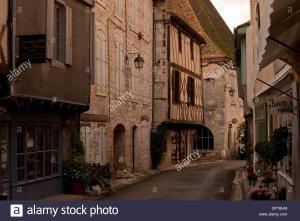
119, 148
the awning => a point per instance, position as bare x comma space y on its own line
279, 35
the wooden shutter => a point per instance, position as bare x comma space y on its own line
117, 68
69, 41
198, 92
101, 146
98, 60
122, 69
103, 64
261, 123
85, 137
144, 78
118, 8
183, 87
135, 13
50, 29
101, 61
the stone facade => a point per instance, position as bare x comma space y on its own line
222, 113
116, 129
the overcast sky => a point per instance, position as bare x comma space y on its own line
234, 12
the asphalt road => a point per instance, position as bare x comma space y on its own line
211, 181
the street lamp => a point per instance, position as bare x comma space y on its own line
139, 62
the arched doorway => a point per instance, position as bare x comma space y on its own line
204, 139
119, 149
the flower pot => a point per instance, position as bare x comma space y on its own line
78, 188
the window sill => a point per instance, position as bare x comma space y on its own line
20, 183
100, 93
58, 64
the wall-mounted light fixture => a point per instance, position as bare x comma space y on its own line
138, 61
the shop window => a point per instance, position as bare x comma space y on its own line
37, 151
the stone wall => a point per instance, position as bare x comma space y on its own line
132, 112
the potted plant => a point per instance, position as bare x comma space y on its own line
274, 150
260, 193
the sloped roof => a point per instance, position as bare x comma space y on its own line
214, 26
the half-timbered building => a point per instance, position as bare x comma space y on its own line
178, 101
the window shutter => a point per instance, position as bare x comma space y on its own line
135, 12
85, 137
69, 42
145, 17
98, 60
50, 29
103, 145
122, 71
103, 63
118, 7
118, 68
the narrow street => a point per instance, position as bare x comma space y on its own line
204, 182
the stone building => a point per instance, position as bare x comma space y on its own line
222, 109
214, 131
116, 129
177, 83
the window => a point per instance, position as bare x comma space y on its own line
59, 33
101, 146
37, 151
192, 49
120, 78
175, 86
179, 41
118, 8
191, 91
204, 139
101, 62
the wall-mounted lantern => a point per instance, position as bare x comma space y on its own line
138, 61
